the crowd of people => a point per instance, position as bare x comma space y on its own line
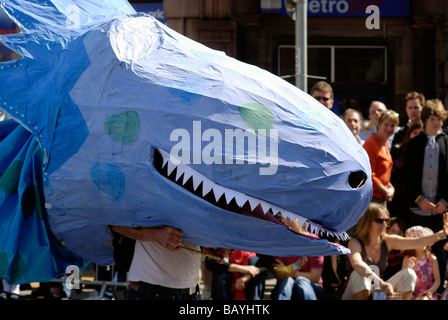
398, 247
409, 176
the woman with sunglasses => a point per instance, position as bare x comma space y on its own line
368, 259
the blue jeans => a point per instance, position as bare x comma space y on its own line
297, 289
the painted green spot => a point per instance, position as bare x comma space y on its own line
18, 266
257, 116
10, 179
3, 264
123, 128
32, 200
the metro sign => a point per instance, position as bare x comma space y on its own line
339, 8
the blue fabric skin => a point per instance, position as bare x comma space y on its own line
102, 90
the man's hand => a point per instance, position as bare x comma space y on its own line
425, 204
440, 207
167, 237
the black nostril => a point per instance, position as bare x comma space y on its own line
356, 179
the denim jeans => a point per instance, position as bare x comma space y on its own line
297, 289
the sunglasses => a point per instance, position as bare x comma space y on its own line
321, 98
381, 220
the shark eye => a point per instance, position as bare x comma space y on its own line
356, 179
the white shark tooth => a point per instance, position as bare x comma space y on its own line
180, 171
307, 226
240, 199
187, 174
171, 167
311, 226
218, 191
229, 194
197, 179
207, 185
165, 160
253, 203
265, 206
343, 235
165, 157
276, 209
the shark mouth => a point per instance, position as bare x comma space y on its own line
235, 201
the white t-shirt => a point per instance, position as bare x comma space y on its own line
154, 264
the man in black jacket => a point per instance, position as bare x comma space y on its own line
414, 104
426, 168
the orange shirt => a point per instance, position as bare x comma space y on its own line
380, 162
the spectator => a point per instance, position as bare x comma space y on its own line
323, 92
369, 249
376, 108
160, 268
425, 265
353, 120
298, 278
334, 273
399, 206
242, 280
380, 157
235, 280
414, 104
427, 174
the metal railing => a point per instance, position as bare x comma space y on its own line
111, 283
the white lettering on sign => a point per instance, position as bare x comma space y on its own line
340, 6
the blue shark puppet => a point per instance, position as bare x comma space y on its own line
137, 125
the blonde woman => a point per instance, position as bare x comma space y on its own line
380, 157
368, 259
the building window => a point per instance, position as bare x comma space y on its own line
337, 64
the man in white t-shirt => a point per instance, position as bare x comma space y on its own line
161, 269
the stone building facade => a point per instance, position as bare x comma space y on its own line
408, 52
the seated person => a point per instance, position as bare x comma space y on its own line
298, 278
239, 278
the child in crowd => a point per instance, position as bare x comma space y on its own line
425, 265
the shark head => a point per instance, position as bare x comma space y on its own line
141, 126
